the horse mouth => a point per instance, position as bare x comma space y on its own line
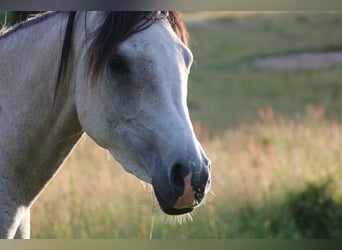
168, 202
168, 205
182, 195
177, 211
180, 189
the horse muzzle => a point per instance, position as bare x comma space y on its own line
183, 187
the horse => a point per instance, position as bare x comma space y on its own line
119, 77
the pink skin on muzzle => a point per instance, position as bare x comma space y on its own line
187, 200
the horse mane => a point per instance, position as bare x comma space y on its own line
115, 28
7, 30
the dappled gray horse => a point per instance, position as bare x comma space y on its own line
119, 76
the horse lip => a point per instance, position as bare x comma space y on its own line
168, 206
170, 210
174, 211
168, 198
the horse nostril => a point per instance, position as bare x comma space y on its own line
202, 183
177, 175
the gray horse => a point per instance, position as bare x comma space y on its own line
121, 77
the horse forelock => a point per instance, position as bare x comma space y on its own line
116, 27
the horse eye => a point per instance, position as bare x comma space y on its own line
118, 65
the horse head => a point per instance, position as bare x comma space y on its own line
131, 98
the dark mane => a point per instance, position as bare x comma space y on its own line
115, 28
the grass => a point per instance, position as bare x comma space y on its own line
224, 77
255, 167
6, 18
274, 139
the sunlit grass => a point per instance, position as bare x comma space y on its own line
224, 88
254, 167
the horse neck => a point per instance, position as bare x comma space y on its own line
42, 129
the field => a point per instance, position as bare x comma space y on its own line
274, 138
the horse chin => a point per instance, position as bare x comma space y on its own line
144, 176
167, 205
176, 211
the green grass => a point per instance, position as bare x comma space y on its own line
5, 18
223, 76
255, 169
267, 133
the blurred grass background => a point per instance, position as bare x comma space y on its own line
274, 138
